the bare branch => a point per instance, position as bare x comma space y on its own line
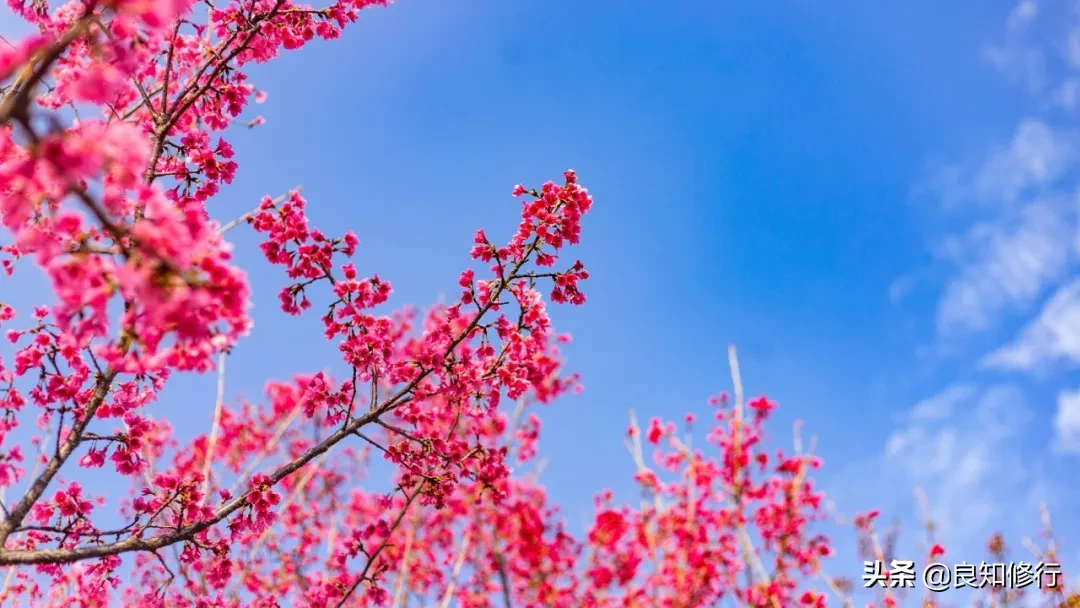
245, 217
219, 405
459, 562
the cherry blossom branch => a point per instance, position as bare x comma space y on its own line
38, 460
292, 498
117, 71
169, 117
138, 84
184, 101
651, 542
187, 532
371, 559
638, 454
13, 520
16, 102
64, 449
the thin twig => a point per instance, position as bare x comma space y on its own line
371, 559
33, 473
831, 584
216, 426
269, 447
638, 453
459, 562
300, 485
403, 573
750, 556
245, 217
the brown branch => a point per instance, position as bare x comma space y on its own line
37, 488
187, 532
184, 101
504, 579
371, 559
168, 70
18, 99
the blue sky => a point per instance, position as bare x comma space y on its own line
876, 202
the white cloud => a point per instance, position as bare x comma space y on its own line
1023, 14
1067, 422
964, 446
1053, 336
966, 457
1020, 63
970, 460
1016, 57
1076, 214
1014, 253
900, 288
903, 286
1036, 156
1067, 95
1072, 48
1003, 266
942, 405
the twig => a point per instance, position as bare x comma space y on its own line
831, 584
216, 426
269, 447
397, 522
403, 574
504, 579
300, 485
245, 217
33, 473
15, 105
64, 449
736, 380
457, 570
638, 454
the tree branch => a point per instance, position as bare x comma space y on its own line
37, 488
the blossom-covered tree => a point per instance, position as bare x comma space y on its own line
111, 154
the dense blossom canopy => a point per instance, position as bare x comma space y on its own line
111, 153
